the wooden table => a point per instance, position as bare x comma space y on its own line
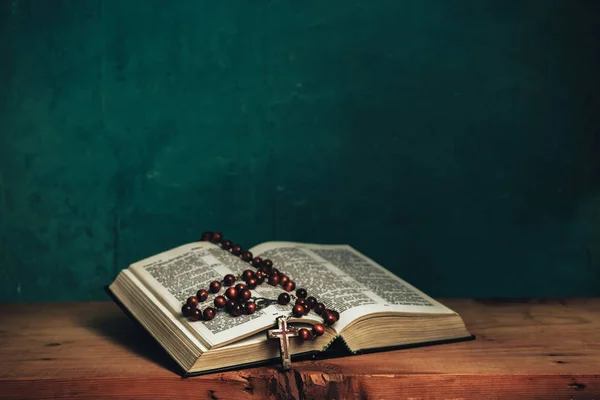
529, 349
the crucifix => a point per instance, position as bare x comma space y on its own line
283, 333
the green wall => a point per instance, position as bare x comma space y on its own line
456, 142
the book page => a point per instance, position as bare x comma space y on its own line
175, 275
347, 281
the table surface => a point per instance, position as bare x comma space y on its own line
536, 348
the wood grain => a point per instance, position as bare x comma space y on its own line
525, 349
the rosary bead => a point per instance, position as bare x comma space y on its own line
185, 310
202, 295
209, 313
274, 279
228, 280
283, 299
220, 301
249, 308
298, 310
289, 286
329, 318
229, 305
236, 250
246, 256
215, 286
192, 301
231, 293
256, 262
236, 310
240, 286
236, 299
206, 236
216, 237
318, 329
252, 282
244, 295
304, 334
195, 314
247, 274
319, 308
283, 279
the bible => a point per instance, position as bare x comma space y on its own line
377, 309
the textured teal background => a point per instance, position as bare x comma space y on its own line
455, 142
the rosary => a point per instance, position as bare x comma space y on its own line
238, 300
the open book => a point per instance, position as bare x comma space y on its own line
376, 308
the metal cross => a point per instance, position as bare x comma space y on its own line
283, 334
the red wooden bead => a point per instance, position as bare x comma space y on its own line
252, 282
236, 310
209, 313
202, 295
240, 287
185, 310
247, 274
267, 263
274, 279
311, 302
249, 308
300, 301
298, 310
228, 280
306, 309
229, 305
264, 270
290, 286
318, 329
246, 256
192, 301
304, 334
256, 262
329, 318
231, 293
283, 279
301, 293
215, 286
226, 244
335, 314
220, 301
260, 277
206, 236
195, 314
319, 308
244, 295
283, 299
236, 250
216, 237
